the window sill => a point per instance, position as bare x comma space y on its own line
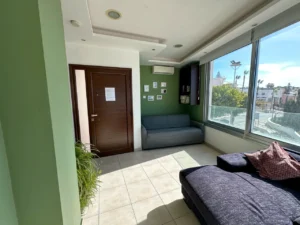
251, 137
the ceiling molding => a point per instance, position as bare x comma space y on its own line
138, 37
232, 27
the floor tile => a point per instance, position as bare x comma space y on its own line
108, 160
187, 162
175, 203
91, 210
169, 163
133, 175
175, 176
154, 169
113, 198
170, 223
109, 168
120, 216
112, 179
164, 183
189, 219
90, 221
151, 212
141, 190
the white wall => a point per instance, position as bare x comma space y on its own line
92, 55
229, 143
82, 106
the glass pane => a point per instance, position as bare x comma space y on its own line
277, 103
229, 79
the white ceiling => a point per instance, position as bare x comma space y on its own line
199, 25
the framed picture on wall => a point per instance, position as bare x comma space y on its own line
163, 84
154, 84
146, 88
158, 97
163, 91
150, 98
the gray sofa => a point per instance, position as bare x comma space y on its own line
170, 130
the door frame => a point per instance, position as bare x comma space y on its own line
74, 98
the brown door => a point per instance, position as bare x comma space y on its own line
110, 109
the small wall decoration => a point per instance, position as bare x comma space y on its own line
146, 88
163, 91
163, 84
150, 98
158, 97
154, 84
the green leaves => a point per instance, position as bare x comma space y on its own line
87, 173
228, 96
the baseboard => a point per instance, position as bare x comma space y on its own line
215, 148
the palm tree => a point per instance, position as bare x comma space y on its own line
258, 83
235, 65
236, 80
275, 91
245, 73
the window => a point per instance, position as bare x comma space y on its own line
229, 78
272, 88
278, 115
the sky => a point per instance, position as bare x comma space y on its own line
279, 59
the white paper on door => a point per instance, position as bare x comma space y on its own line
110, 94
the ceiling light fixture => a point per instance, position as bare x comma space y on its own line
178, 46
75, 23
113, 14
153, 49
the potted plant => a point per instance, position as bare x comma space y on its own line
87, 173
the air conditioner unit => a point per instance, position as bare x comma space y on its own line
164, 70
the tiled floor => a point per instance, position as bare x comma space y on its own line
142, 188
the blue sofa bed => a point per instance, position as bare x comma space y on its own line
170, 130
232, 193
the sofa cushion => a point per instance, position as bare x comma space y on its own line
167, 121
181, 120
235, 162
240, 198
173, 136
155, 122
275, 163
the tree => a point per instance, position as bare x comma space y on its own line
291, 116
258, 83
245, 73
235, 65
232, 100
270, 85
288, 88
236, 79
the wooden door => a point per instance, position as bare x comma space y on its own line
110, 109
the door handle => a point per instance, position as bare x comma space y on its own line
94, 115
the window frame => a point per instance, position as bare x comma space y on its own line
246, 133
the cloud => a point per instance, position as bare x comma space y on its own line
280, 74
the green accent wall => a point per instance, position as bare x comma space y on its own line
8, 215
36, 114
169, 103
196, 111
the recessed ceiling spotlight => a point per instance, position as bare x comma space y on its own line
153, 49
254, 25
113, 14
178, 46
75, 23
83, 39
